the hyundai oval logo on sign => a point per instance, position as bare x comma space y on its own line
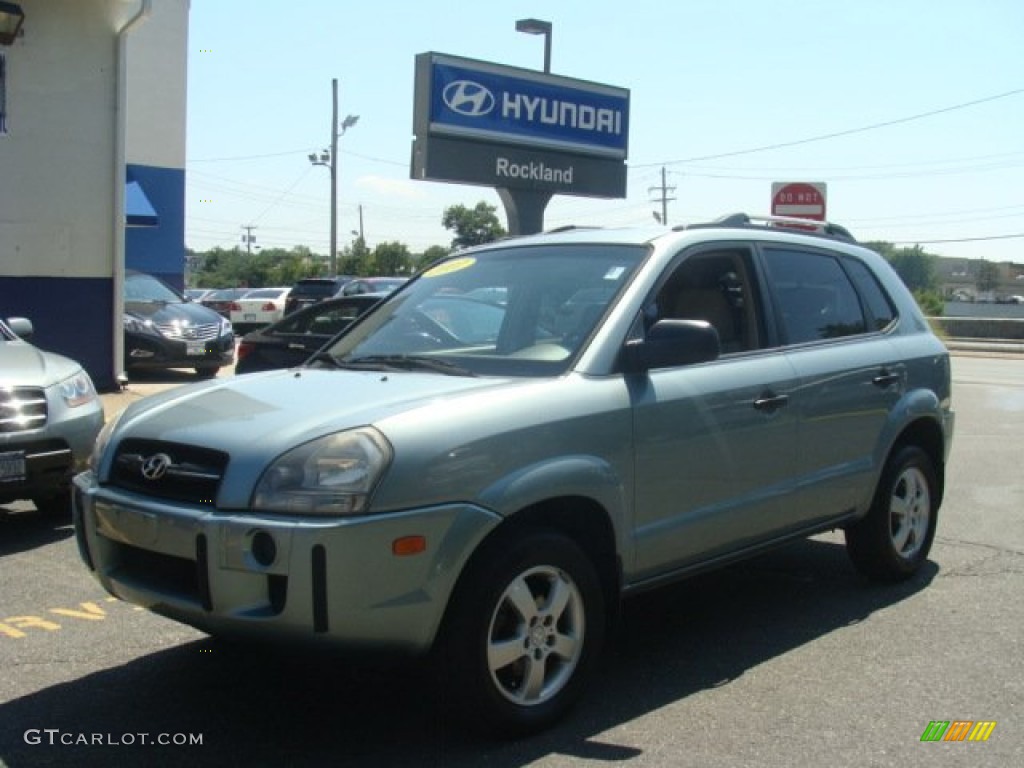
156, 466
468, 98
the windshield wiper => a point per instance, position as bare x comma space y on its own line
404, 363
326, 357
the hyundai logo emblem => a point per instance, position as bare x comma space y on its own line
468, 98
155, 467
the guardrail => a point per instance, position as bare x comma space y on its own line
980, 328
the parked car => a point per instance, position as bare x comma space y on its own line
310, 290
220, 300
372, 285
50, 416
197, 294
258, 307
162, 329
650, 404
290, 341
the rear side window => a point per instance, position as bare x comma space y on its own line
813, 295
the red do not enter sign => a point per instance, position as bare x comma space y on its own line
799, 199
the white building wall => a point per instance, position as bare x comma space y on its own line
157, 87
60, 239
56, 160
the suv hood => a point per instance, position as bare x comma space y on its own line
256, 417
22, 365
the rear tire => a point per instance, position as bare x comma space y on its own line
893, 540
524, 632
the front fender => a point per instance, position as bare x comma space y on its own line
564, 476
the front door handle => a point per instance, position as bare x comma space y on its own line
885, 379
769, 402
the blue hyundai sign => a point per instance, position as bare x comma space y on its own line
489, 102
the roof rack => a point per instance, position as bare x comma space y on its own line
569, 228
746, 220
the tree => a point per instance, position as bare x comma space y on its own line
272, 266
472, 226
988, 276
391, 259
915, 267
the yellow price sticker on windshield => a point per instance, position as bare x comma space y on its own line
450, 266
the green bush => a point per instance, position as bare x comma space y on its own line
930, 302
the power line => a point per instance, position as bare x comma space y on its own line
959, 239
836, 134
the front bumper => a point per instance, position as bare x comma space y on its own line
51, 455
147, 351
334, 580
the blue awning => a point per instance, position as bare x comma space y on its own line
138, 211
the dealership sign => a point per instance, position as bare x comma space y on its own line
486, 123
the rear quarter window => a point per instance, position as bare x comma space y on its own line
879, 305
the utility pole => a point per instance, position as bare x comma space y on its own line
334, 177
248, 238
664, 189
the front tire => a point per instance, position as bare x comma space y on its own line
893, 540
207, 371
524, 633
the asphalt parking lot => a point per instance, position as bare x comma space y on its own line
787, 660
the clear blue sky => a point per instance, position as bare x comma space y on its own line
926, 96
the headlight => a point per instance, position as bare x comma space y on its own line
77, 390
225, 327
138, 325
102, 440
333, 475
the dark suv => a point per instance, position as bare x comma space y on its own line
310, 290
530, 431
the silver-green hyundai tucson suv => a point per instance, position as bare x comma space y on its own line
486, 463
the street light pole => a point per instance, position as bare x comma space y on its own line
329, 159
538, 27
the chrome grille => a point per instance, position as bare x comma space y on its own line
205, 332
22, 409
169, 470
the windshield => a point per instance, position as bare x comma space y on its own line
523, 311
148, 288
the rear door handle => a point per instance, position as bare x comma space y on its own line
769, 402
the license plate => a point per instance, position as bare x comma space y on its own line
12, 466
249, 316
195, 348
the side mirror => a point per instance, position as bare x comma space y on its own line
671, 343
21, 326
